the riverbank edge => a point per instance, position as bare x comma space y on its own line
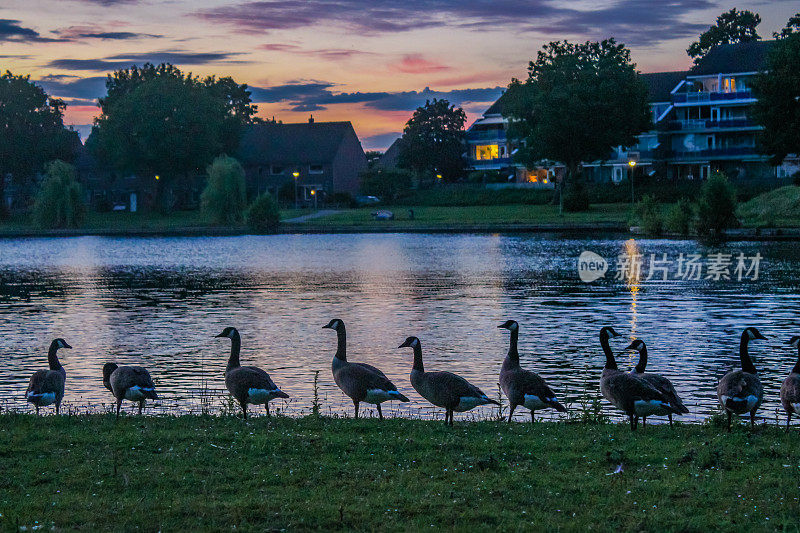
746, 234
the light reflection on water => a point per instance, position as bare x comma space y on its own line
159, 301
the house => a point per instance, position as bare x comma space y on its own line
701, 121
320, 158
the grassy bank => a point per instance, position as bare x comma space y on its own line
214, 473
774, 209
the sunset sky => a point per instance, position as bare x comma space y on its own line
372, 62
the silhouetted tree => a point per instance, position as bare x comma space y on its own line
793, 26
32, 130
732, 27
578, 103
432, 140
778, 106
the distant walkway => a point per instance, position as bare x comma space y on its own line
318, 214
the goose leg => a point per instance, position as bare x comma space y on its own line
380, 414
630, 418
37, 410
58, 407
267, 406
532, 412
119, 404
788, 419
451, 417
670, 419
141, 406
355, 402
244, 410
511, 411
752, 419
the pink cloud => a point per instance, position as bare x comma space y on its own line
416, 64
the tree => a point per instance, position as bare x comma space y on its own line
732, 27
793, 26
778, 106
716, 207
224, 198
579, 102
158, 121
59, 202
432, 140
32, 130
263, 215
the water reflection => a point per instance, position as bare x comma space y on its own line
160, 301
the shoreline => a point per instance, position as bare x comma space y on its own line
744, 234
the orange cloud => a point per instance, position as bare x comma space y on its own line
416, 64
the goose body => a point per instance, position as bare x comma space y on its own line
444, 389
659, 382
247, 384
740, 391
359, 381
790, 388
523, 387
132, 383
630, 394
46, 387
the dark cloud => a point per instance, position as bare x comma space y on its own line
10, 30
126, 60
316, 95
80, 33
631, 21
380, 141
74, 90
330, 54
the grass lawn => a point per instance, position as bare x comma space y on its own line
220, 473
778, 208
500, 214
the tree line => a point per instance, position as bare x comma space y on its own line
578, 102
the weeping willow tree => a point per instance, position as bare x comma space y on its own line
59, 202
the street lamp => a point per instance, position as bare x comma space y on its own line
295, 175
632, 164
314, 194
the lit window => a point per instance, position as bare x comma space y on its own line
487, 151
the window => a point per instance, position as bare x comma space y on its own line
276, 169
315, 169
485, 152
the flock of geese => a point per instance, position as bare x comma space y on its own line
638, 394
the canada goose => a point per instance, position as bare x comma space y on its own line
248, 384
129, 383
523, 387
632, 395
790, 388
360, 381
47, 386
658, 381
740, 391
444, 389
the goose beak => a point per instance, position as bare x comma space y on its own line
67, 346
218, 336
760, 336
630, 347
327, 326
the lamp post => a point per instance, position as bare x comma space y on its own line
314, 194
295, 175
632, 165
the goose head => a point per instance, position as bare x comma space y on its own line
334, 324
412, 342
608, 332
752, 333
795, 341
510, 325
228, 332
108, 368
637, 345
60, 343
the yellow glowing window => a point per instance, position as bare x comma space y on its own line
487, 151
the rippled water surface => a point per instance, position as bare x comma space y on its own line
159, 302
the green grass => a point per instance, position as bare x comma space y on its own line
457, 216
217, 473
777, 208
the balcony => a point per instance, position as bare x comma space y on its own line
486, 135
707, 97
704, 124
746, 151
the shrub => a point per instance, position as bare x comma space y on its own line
263, 215
716, 207
679, 217
575, 196
224, 198
342, 199
648, 215
796, 178
58, 203
487, 176
386, 184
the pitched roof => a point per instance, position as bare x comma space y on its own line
315, 142
496, 108
660, 84
733, 58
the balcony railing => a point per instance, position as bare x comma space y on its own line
702, 97
489, 135
714, 152
704, 124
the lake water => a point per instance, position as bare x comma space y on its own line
159, 302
